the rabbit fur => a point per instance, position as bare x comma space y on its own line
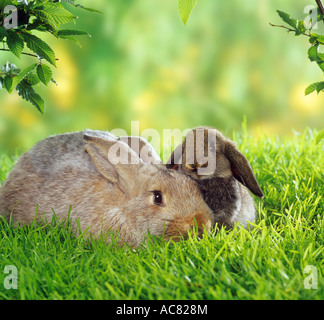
80, 169
226, 175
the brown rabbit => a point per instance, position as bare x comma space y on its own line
88, 171
222, 177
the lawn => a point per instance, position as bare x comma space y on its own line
265, 263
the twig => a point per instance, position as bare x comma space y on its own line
320, 6
25, 53
289, 29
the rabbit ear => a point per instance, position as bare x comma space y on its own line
115, 160
241, 169
176, 157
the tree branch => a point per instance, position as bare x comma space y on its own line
320, 6
289, 29
24, 53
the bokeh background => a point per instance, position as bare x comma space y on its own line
142, 63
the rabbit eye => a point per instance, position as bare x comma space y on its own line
157, 197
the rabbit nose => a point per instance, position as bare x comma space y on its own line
201, 222
195, 166
202, 165
196, 223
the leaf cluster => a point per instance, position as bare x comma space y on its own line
316, 41
46, 16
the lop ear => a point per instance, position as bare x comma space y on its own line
118, 163
241, 168
176, 157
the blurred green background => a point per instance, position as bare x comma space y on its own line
143, 64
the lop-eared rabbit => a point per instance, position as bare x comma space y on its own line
108, 186
222, 173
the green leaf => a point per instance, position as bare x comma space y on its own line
76, 5
15, 43
320, 17
68, 35
319, 137
16, 80
4, 3
185, 8
321, 65
88, 9
75, 40
44, 17
72, 33
286, 18
318, 86
32, 78
3, 33
26, 91
311, 88
42, 49
7, 83
300, 27
317, 37
312, 53
312, 40
320, 55
54, 15
44, 73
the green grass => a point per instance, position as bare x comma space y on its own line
265, 263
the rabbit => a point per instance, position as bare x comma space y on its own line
108, 186
223, 177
